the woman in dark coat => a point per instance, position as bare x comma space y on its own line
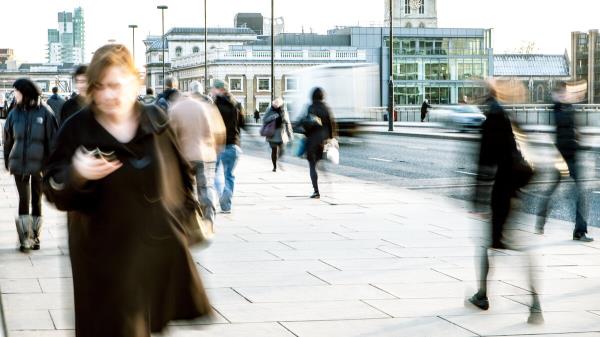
319, 126
28, 133
499, 161
132, 270
283, 130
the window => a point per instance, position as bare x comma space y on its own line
406, 71
159, 80
236, 84
291, 84
437, 70
196, 50
263, 84
407, 96
470, 69
178, 51
437, 95
471, 95
408, 5
262, 106
408, 25
540, 94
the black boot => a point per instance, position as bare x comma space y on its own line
23, 223
480, 300
36, 227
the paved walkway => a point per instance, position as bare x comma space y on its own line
367, 260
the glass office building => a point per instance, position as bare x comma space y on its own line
444, 66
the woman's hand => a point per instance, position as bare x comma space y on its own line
90, 167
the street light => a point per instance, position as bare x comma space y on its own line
272, 50
206, 82
162, 10
133, 27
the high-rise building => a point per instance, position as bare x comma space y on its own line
585, 62
67, 43
412, 13
6, 54
254, 21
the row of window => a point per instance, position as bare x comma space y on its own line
440, 70
436, 95
437, 46
263, 84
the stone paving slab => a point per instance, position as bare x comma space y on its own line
365, 260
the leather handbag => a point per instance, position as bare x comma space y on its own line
268, 129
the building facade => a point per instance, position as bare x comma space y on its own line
66, 44
6, 54
585, 62
45, 76
538, 73
412, 13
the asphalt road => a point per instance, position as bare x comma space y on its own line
447, 167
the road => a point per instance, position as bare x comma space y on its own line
445, 167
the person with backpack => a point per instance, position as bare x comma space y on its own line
55, 101
28, 137
170, 95
319, 127
277, 129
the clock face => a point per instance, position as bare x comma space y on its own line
415, 4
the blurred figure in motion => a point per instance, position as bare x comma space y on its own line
169, 95
567, 145
149, 97
55, 102
424, 110
117, 171
197, 93
201, 134
77, 100
28, 135
256, 116
282, 129
233, 117
319, 126
500, 161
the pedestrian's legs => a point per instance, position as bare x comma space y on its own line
314, 177
229, 158
580, 217
274, 155
36, 194
542, 211
205, 177
484, 270
501, 196
22, 183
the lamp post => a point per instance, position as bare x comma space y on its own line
163, 44
133, 27
206, 81
272, 50
391, 65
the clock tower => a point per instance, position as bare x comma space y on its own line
412, 13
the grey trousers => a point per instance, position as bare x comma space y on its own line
206, 192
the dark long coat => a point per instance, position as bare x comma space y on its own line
317, 135
132, 270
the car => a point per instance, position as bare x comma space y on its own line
460, 117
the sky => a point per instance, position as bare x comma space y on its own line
548, 23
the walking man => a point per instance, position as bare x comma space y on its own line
233, 117
424, 110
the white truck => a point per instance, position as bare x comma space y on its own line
350, 90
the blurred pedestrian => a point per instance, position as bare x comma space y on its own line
282, 129
256, 116
233, 117
77, 100
169, 95
424, 110
55, 101
117, 171
319, 127
28, 135
501, 161
197, 93
149, 98
567, 145
200, 130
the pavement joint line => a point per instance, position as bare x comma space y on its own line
220, 314
288, 330
328, 264
377, 309
384, 291
239, 293
437, 271
461, 327
285, 244
390, 242
318, 278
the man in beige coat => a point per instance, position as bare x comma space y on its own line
201, 133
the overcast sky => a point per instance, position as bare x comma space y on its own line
546, 22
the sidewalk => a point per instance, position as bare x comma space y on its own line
365, 260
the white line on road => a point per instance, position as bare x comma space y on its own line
467, 173
382, 160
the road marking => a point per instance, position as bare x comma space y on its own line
467, 173
415, 147
382, 160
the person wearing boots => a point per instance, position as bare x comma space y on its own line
28, 134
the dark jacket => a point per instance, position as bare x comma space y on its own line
566, 133
28, 137
424, 107
317, 135
498, 145
165, 99
71, 106
56, 103
132, 270
233, 117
